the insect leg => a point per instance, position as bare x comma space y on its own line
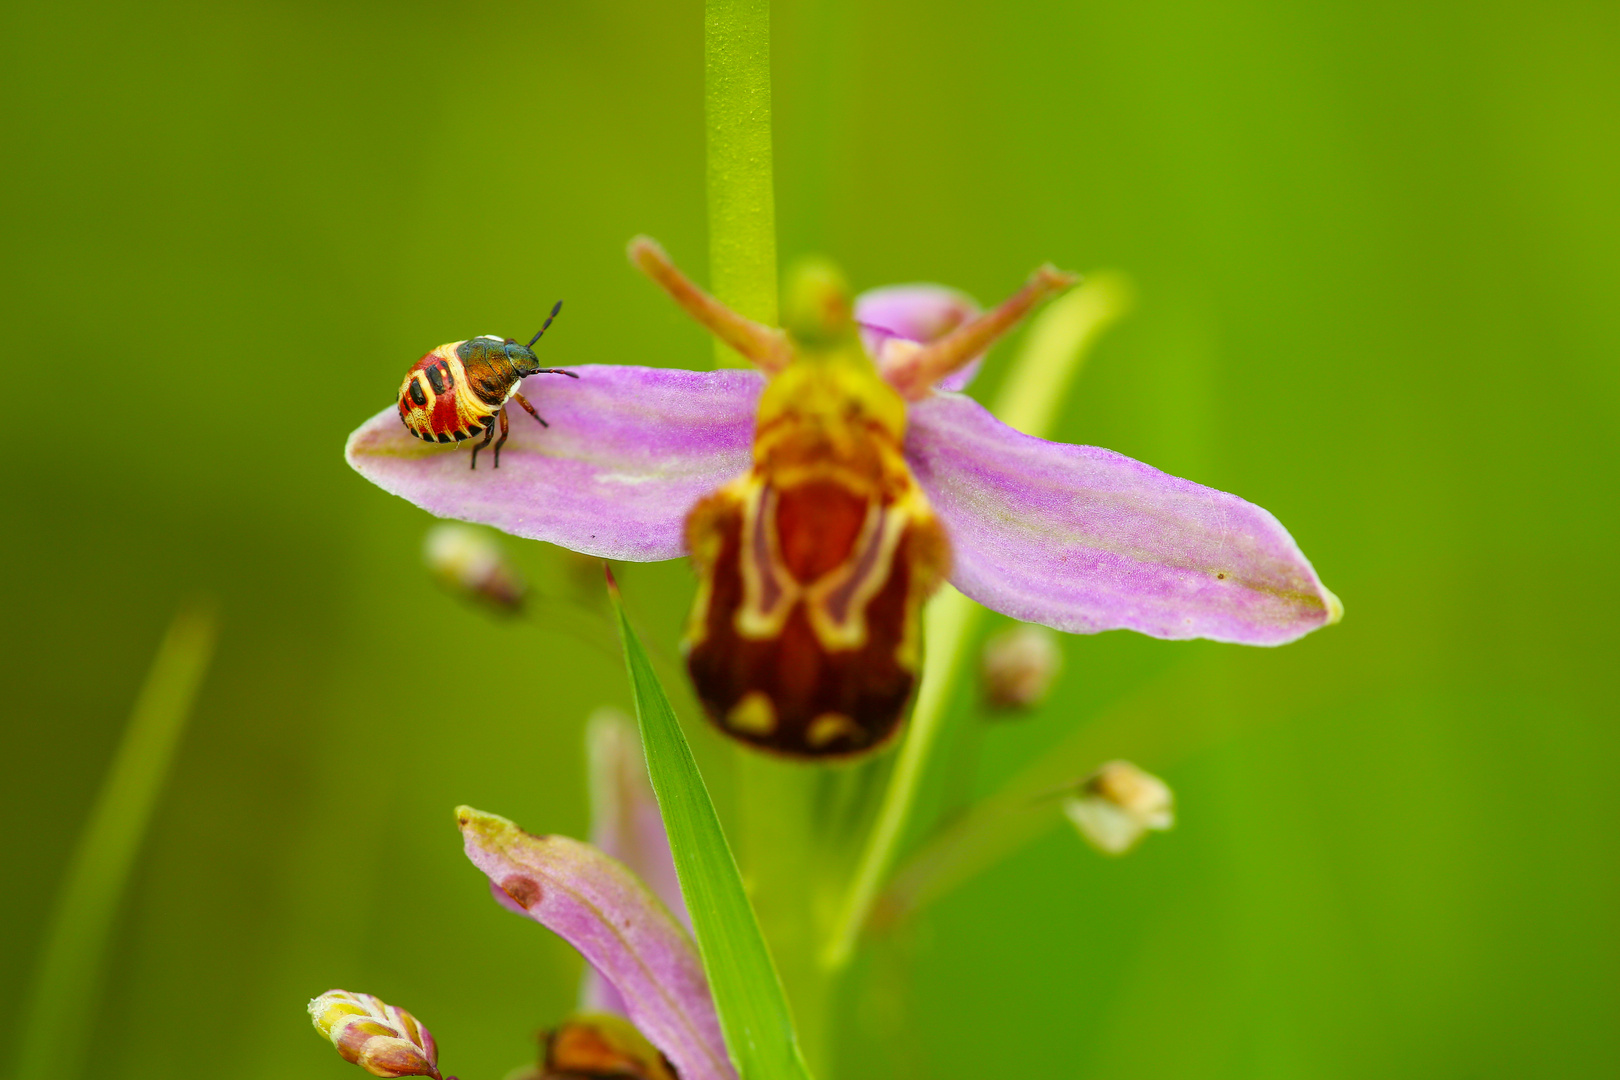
502, 440
489, 433
523, 401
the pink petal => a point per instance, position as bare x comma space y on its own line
1084, 539
922, 313
600, 908
626, 825
628, 452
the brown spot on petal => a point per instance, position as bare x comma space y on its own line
524, 891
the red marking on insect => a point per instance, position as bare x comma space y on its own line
458, 391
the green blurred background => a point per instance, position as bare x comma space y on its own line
1377, 247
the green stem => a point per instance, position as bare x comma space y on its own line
776, 799
1036, 386
787, 883
742, 202
54, 1034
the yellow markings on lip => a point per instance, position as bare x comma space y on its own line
753, 715
828, 727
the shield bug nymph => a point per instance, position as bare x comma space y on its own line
457, 391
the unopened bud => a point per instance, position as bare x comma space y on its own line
379, 1038
1117, 804
470, 562
817, 306
1018, 667
590, 1045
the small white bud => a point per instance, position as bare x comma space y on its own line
1116, 805
469, 561
1018, 667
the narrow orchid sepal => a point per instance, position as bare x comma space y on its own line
763, 346
896, 319
629, 451
916, 373
626, 825
600, 908
1083, 539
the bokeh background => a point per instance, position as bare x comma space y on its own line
1377, 252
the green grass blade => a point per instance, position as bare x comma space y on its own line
54, 1039
747, 993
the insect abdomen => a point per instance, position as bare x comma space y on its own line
438, 402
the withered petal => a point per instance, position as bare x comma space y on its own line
599, 907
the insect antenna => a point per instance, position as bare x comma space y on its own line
543, 329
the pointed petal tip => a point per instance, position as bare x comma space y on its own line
487, 829
1335, 606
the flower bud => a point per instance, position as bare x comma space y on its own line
470, 562
589, 1045
817, 306
1117, 804
1018, 667
379, 1038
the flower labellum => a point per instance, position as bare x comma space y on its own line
1116, 806
381, 1039
1018, 667
599, 1046
813, 566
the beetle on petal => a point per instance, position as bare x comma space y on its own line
457, 391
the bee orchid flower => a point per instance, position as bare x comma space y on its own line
825, 493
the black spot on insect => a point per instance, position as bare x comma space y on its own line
417, 394
460, 435
443, 437
435, 375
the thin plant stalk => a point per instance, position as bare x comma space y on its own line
72, 960
1036, 386
775, 824
742, 199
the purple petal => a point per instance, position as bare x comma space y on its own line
1084, 539
922, 313
600, 908
629, 450
626, 824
